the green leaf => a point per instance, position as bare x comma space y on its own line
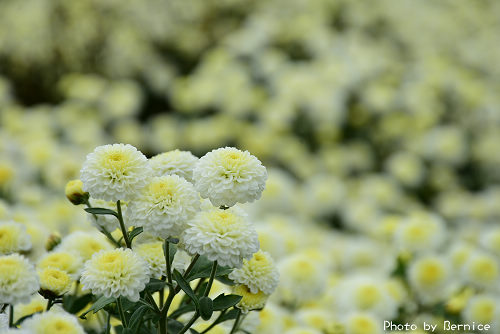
174, 326
74, 304
223, 302
135, 232
182, 310
233, 314
136, 318
155, 285
98, 305
206, 308
225, 280
101, 211
193, 331
203, 268
184, 285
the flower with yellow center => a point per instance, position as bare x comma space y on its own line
302, 330
65, 261
164, 206
250, 301
258, 274
228, 176
483, 309
53, 322
36, 304
362, 323
84, 244
13, 238
55, 281
419, 232
115, 172
174, 162
482, 270
152, 252
224, 236
115, 273
6, 174
18, 279
430, 277
74, 192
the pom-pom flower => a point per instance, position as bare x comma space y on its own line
164, 206
13, 238
258, 274
54, 281
65, 261
115, 273
115, 172
250, 301
222, 235
84, 244
18, 279
174, 162
152, 252
228, 176
54, 323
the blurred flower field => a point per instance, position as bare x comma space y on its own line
378, 123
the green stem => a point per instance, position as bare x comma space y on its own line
189, 324
169, 266
191, 265
122, 224
121, 313
211, 279
236, 322
215, 322
11, 315
50, 303
108, 323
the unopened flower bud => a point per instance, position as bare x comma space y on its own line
53, 240
74, 192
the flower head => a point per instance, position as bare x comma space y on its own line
115, 172
258, 274
174, 162
53, 322
228, 176
55, 281
18, 279
250, 301
84, 244
74, 192
115, 273
13, 238
152, 252
224, 236
164, 206
65, 261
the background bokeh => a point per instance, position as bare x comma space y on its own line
378, 121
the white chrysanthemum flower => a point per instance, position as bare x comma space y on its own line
224, 236
482, 270
66, 261
483, 309
164, 206
430, 278
228, 176
115, 172
360, 322
181, 260
109, 222
13, 238
53, 322
152, 252
420, 232
174, 162
18, 279
84, 244
258, 274
115, 273
250, 301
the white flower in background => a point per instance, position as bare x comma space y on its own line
18, 279
484, 309
152, 252
13, 238
430, 278
224, 236
164, 206
420, 232
115, 273
84, 244
362, 322
482, 270
115, 172
174, 162
228, 176
53, 322
69, 262
258, 274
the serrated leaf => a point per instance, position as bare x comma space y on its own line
206, 308
98, 305
136, 318
223, 302
184, 285
101, 211
135, 232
